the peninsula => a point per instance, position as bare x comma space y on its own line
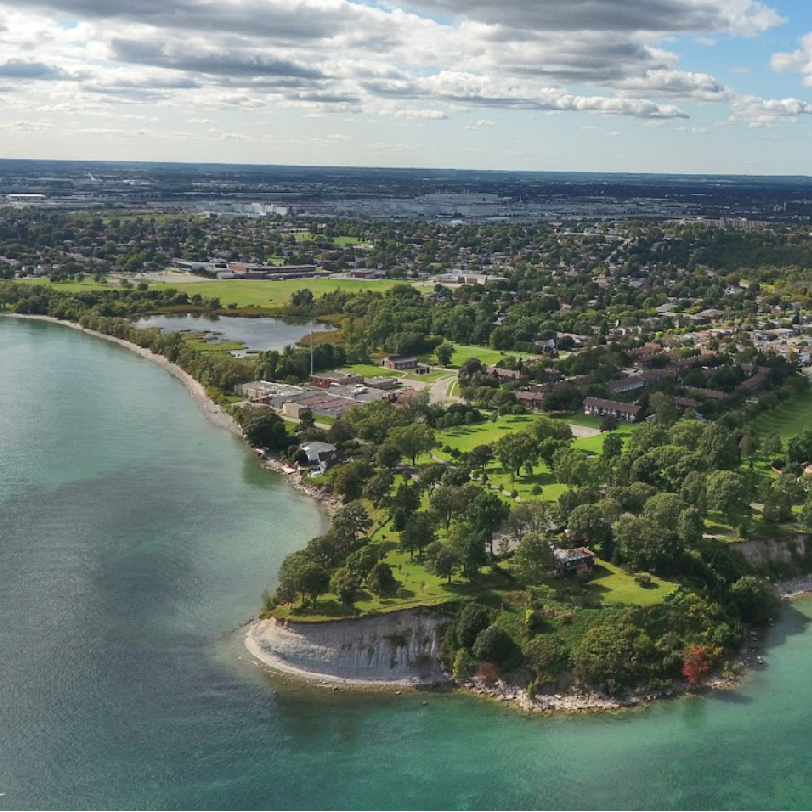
565, 489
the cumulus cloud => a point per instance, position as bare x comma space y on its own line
746, 17
409, 59
798, 61
757, 112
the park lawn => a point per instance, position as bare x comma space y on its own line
70, 287
462, 352
788, 419
616, 586
465, 438
270, 293
594, 445
453, 389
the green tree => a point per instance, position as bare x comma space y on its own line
266, 429
534, 559
663, 406
444, 354
754, 599
469, 622
727, 493
351, 521
694, 491
345, 584
612, 446
418, 533
749, 444
388, 455
495, 645
469, 543
442, 560
381, 580
487, 512
447, 501
413, 440
587, 524
516, 451
690, 527
379, 487
348, 480
664, 509
644, 545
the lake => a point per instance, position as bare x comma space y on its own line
136, 537
257, 334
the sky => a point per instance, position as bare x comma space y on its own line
687, 86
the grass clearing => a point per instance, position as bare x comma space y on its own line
788, 419
616, 586
462, 352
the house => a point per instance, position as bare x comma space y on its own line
627, 384
507, 374
325, 455
399, 362
324, 380
580, 560
612, 408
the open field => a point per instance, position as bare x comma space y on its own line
790, 418
462, 352
243, 293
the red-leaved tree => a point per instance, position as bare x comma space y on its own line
696, 664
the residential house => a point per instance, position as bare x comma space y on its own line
612, 408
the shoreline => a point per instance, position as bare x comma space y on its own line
501, 691
210, 409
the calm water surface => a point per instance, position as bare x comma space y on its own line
135, 537
257, 334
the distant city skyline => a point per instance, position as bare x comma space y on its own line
683, 86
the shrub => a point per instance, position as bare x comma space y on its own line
495, 645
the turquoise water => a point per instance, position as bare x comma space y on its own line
135, 537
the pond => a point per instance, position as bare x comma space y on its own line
257, 335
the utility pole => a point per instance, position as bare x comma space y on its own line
311, 352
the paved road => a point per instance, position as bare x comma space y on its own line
437, 391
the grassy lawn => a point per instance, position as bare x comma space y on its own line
372, 371
464, 438
417, 588
462, 352
616, 586
243, 293
790, 418
70, 287
270, 293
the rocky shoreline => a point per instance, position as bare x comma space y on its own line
501, 691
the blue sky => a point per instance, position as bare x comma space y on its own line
704, 86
